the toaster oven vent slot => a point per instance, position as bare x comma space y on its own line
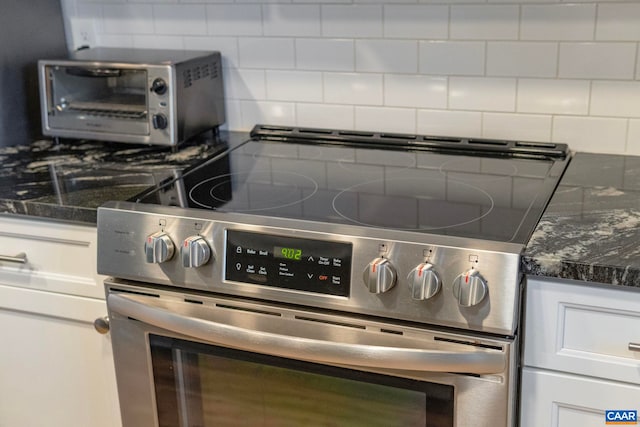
204, 71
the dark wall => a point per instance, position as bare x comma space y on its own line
29, 30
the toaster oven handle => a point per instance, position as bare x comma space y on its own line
93, 72
158, 313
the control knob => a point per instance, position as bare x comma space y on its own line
379, 276
470, 288
194, 252
159, 121
424, 282
158, 248
159, 86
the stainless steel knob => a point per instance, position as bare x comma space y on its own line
379, 276
158, 248
195, 252
470, 288
101, 324
424, 282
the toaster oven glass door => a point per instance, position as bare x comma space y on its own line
98, 99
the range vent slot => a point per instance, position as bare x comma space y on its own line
393, 141
329, 322
471, 343
249, 310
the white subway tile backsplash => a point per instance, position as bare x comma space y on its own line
128, 18
275, 53
303, 86
522, 59
484, 94
633, 138
415, 91
384, 119
245, 84
180, 19
618, 21
227, 46
147, 41
233, 119
234, 19
524, 127
597, 60
558, 22
548, 96
452, 58
486, 22
525, 69
113, 40
416, 21
276, 113
352, 21
353, 88
325, 54
393, 56
615, 99
591, 134
449, 123
291, 20
325, 116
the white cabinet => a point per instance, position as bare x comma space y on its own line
577, 357
55, 369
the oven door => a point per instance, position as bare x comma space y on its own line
95, 99
193, 360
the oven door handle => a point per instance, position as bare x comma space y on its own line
147, 310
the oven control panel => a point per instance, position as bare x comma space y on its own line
288, 262
409, 276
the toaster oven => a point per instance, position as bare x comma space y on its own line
146, 96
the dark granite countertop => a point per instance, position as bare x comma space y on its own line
591, 229
67, 181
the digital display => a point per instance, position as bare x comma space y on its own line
309, 265
287, 253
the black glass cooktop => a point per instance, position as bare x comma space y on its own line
494, 190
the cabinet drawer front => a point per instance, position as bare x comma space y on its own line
563, 400
583, 329
59, 257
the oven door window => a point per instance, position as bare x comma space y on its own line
95, 99
204, 385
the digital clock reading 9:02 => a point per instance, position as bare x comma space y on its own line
287, 253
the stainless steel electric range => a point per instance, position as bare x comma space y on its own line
322, 277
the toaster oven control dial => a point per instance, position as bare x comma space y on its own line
158, 248
159, 86
470, 288
195, 252
159, 121
424, 282
379, 276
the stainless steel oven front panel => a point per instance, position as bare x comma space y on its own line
124, 228
480, 370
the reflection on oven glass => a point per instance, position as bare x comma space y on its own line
214, 386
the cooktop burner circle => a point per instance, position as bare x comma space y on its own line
285, 189
358, 205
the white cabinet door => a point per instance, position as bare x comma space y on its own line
556, 399
583, 329
55, 369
